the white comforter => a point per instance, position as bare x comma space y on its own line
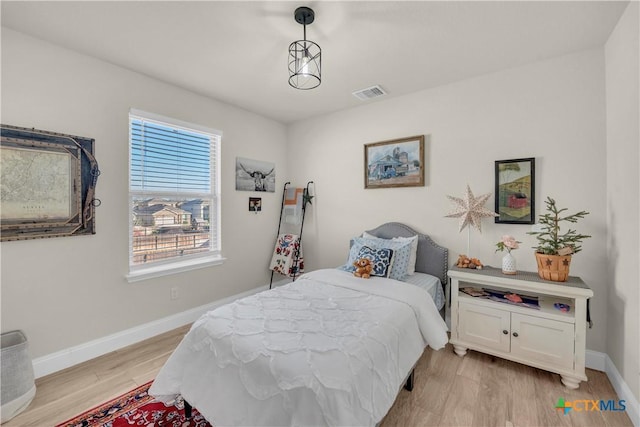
328, 349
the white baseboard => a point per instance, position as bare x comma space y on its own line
63, 359
595, 360
282, 282
602, 362
623, 391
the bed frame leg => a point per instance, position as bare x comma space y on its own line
187, 410
409, 384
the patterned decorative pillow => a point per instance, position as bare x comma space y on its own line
411, 268
356, 244
414, 252
381, 260
401, 257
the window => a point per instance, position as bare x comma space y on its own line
174, 197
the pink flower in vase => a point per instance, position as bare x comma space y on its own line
508, 243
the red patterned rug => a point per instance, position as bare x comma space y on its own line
137, 408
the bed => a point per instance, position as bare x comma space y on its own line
328, 349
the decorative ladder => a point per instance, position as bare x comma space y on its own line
306, 198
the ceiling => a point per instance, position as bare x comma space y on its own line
236, 51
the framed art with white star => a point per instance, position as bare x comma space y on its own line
515, 191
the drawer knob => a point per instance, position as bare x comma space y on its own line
504, 331
515, 334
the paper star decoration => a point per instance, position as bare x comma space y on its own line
470, 210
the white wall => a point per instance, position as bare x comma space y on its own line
552, 110
623, 191
66, 291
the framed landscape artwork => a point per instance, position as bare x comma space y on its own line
394, 163
515, 191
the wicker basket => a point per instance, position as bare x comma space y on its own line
553, 267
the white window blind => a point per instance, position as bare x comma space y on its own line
174, 191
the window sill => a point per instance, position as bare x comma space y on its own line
173, 268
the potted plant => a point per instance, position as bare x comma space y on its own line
554, 250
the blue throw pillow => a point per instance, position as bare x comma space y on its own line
401, 258
354, 250
381, 260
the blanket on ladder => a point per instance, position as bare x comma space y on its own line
287, 256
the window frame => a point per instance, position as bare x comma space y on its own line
193, 261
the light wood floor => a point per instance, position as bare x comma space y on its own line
475, 390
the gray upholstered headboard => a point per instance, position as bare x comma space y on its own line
431, 259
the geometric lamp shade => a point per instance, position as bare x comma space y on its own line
305, 56
304, 64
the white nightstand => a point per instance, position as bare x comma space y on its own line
546, 338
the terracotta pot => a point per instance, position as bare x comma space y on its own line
553, 267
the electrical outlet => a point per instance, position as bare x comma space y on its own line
175, 293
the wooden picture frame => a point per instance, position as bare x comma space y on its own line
48, 184
394, 163
515, 191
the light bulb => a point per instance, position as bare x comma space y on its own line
305, 63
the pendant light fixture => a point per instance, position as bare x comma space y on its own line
304, 55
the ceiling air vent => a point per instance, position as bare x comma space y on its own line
369, 93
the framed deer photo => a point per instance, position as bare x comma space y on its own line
255, 175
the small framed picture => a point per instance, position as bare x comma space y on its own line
255, 204
515, 191
394, 163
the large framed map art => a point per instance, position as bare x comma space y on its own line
47, 183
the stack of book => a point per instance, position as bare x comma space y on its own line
504, 296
